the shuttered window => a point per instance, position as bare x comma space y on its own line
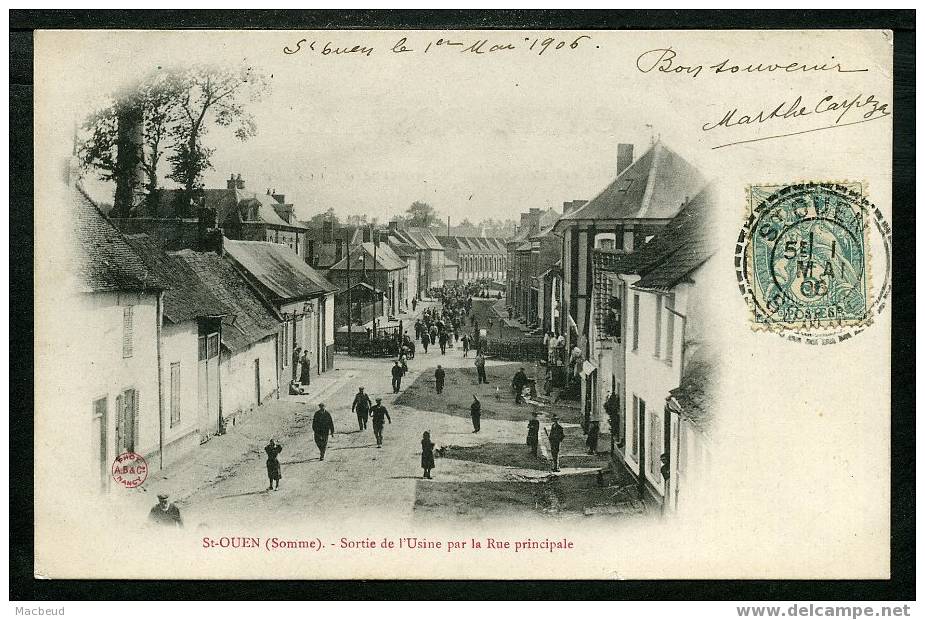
658, 325
128, 328
635, 322
174, 394
669, 335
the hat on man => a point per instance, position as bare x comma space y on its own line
163, 495
378, 400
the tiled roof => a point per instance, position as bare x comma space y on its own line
386, 259
231, 206
104, 261
252, 320
695, 394
402, 249
654, 186
186, 297
281, 273
420, 238
525, 247
681, 247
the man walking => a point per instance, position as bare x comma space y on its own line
361, 405
475, 410
480, 368
444, 338
533, 433
440, 377
556, 435
465, 343
397, 372
380, 415
518, 383
323, 427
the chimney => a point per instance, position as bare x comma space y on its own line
230, 182
393, 226
129, 154
210, 237
239, 182
624, 157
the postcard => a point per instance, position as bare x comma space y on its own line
502, 304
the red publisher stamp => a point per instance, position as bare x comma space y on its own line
130, 470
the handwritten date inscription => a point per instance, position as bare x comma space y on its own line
536, 46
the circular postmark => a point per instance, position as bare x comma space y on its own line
807, 264
130, 470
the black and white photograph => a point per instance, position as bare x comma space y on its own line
463, 304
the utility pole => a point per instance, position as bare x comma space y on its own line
349, 307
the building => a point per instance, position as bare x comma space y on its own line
248, 362
643, 198
409, 255
478, 258
113, 322
450, 271
302, 297
379, 266
189, 335
650, 322
327, 245
240, 213
430, 255
523, 263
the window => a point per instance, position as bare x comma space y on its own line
669, 335
635, 321
174, 394
658, 326
213, 345
634, 426
128, 328
203, 349
655, 448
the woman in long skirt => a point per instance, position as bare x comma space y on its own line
306, 375
427, 454
273, 470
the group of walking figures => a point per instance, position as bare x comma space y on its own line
323, 430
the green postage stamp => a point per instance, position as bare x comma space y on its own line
803, 257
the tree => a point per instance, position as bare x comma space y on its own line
357, 220
208, 95
318, 219
422, 215
126, 138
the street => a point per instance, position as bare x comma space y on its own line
476, 475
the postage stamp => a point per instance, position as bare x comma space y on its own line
803, 259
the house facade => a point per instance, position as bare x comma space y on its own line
532, 249
379, 266
644, 197
478, 258
651, 325
430, 254
249, 338
302, 297
113, 334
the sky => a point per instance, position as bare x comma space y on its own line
474, 136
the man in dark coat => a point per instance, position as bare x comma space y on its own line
397, 373
533, 434
480, 368
594, 434
440, 376
425, 341
556, 435
518, 383
475, 410
380, 415
323, 427
465, 344
361, 405
444, 338
612, 407
165, 513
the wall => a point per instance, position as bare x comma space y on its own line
180, 344
651, 377
238, 383
94, 345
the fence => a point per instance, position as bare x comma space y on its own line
515, 350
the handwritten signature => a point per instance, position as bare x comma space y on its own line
535, 45
664, 60
852, 110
